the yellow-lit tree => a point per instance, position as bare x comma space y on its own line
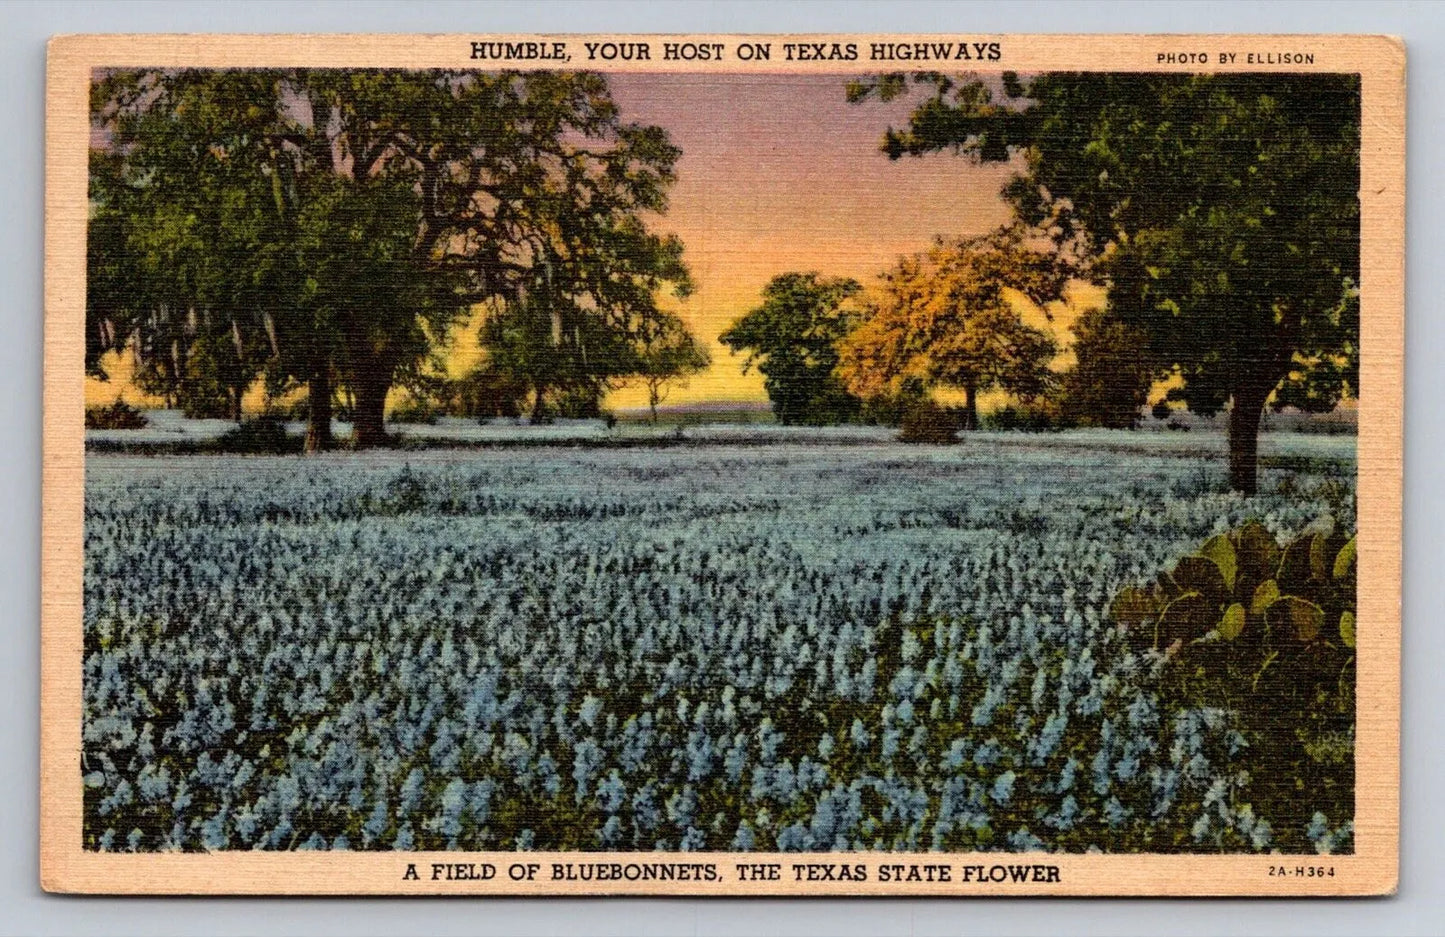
944, 318
1222, 212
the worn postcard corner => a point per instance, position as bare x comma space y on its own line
780, 465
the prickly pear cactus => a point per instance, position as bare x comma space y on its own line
1265, 631
1244, 586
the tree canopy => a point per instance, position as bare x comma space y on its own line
668, 353
587, 322
945, 317
1112, 375
1221, 210
360, 212
793, 338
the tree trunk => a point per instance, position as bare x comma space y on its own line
653, 394
235, 394
1244, 418
970, 407
539, 405
368, 412
178, 372
318, 399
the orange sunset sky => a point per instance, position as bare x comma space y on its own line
779, 173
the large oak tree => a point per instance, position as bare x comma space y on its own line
389, 201
947, 317
1221, 210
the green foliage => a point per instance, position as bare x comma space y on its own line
415, 411
118, 415
262, 436
1318, 385
333, 223
218, 369
1040, 415
1110, 380
1267, 632
889, 407
297, 411
1286, 592
792, 338
175, 271
485, 393
1222, 211
577, 401
667, 353
929, 423
404, 493
355, 239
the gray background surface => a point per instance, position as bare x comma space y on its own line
24, 909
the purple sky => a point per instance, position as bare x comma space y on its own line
780, 173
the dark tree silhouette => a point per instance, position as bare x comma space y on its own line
1221, 210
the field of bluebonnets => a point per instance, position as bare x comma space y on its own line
847, 644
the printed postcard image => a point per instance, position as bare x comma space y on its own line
942, 465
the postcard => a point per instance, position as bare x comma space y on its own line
780, 465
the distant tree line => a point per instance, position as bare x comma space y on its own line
324, 230
945, 318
